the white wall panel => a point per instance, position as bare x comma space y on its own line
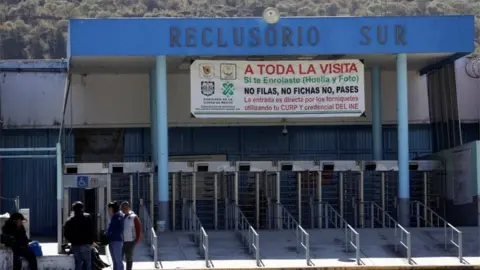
31, 99
468, 93
113, 100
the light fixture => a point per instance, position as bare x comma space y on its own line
271, 15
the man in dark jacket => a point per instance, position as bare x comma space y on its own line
80, 232
15, 237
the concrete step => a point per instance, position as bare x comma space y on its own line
225, 245
278, 245
177, 246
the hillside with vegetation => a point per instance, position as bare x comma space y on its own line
37, 28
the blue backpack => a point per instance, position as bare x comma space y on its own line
35, 248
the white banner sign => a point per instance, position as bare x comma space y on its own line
277, 89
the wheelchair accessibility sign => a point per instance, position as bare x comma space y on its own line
82, 181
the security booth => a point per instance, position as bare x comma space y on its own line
92, 179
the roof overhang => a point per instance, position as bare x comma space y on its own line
129, 45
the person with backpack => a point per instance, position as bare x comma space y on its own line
15, 237
132, 231
79, 230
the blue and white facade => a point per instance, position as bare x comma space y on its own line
115, 72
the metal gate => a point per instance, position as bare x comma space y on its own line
351, 195
253, 187
132, 182
143, 191
428, 184
121, 185
380, 181
269, 200
181, 186
298, 188
205, 187
308, 191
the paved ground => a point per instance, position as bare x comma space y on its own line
278, 249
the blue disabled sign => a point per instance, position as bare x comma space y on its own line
82, 181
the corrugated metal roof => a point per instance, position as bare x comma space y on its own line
60, 65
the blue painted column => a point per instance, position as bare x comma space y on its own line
161, 127
377, 114
153, 117
403, 151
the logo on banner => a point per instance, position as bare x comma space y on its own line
206, 71
207, 88
228, 89
228, 71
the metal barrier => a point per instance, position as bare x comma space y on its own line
193, 224
248, 236
431, 219
149, 232
378, 214
352, 237
289, 223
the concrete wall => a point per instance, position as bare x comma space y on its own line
34, 100
468, 93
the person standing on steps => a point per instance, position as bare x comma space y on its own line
132, 231
115, 235
80, 233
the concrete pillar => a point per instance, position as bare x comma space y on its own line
153, 117
162, 141
377, 114
403, 151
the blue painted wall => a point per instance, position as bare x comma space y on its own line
34, 179
215, 36
302, 142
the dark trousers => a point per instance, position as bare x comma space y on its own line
25, 253
128, 253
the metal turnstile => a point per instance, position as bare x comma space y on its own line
258, 192
428, 183
182, 186
92, 180
338, 184
298, 189
380, 187
428, 186
133, 182
253, 186
210, 202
